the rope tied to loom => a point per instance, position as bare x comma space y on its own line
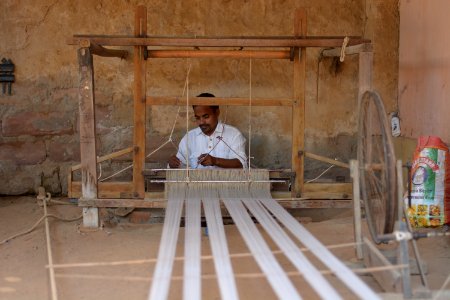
344, 46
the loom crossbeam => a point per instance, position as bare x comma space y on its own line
272, 42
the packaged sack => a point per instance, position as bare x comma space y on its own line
430, 183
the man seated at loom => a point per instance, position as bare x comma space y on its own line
212, 144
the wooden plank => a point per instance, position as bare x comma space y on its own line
87, 135
219, 54
327, 191
290, 41
313, 191
336, 52
316, 203
161, 203
125, 202
298, 109
105, 189
342, 187
140, 30
389, 280
326, 159
107, 157
329, 194
181, 101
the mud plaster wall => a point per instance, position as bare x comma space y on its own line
424, 69
39, 137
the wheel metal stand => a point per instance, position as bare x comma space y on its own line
393, 278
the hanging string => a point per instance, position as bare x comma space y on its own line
179, 107
129, 166
237, 255
362, 271
226, 113
169, 139
187, 128
250, 116
321, 174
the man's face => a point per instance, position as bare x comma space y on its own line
206, 118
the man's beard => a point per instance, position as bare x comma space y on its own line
205, 128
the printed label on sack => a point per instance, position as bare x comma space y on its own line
427, 188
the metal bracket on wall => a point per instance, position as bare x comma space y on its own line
6, 75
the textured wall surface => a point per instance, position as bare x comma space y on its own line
424, 68
39, 136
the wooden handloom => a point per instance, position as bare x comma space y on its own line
94, 194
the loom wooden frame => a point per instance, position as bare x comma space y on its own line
294, 47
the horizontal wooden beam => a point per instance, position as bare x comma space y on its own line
219, 54
216, 41
348, 50
218, 101
129, 202
102, 51
273, 174
162, 203
105, 189
316, 203
328, 190
327, 160
107, 157
312, 191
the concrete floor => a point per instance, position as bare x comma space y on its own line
23, 274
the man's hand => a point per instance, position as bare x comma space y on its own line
174, 162
206, 160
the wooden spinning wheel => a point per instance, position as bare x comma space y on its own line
376, 160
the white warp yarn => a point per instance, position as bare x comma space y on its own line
237, 198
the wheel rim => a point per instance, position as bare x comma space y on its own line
376, 161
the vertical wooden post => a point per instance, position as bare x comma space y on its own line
365, 72
298, 109
140, 30
87, 135
69, 184
354, 173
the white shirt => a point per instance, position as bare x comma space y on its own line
226, 142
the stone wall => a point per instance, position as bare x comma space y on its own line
39, 136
